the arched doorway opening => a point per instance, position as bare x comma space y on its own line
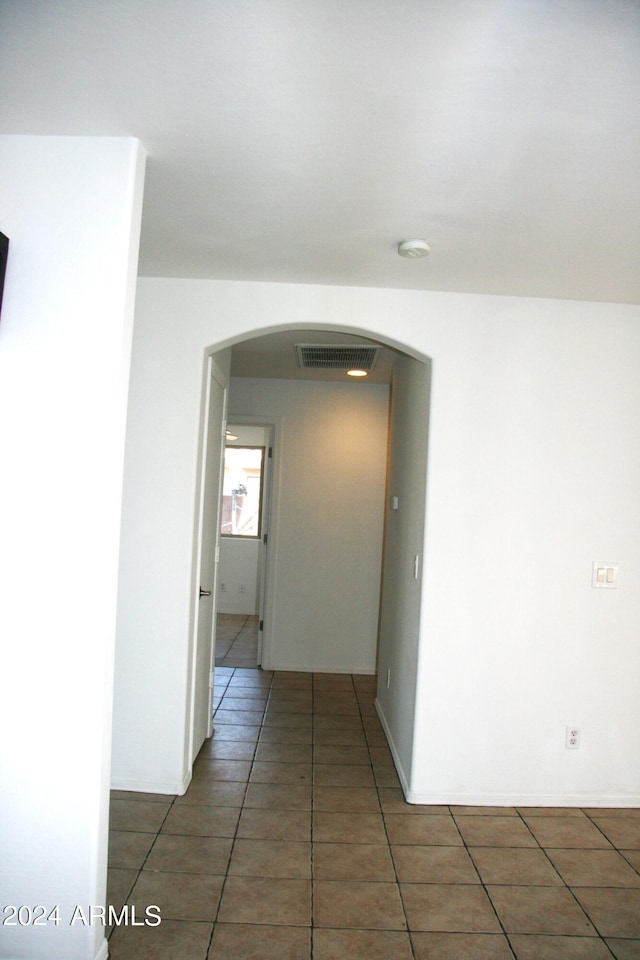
313, 588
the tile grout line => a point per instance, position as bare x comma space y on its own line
386, 832
146, 857
614, 846
233, 839
235, 833
219, 661
226, 873
482, 883
564, 883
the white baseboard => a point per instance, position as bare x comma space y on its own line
236, 611
103, 952
520, 800
498, 800
394, 751
324, 668
172, 787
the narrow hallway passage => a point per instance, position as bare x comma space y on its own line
294, 842
236, 640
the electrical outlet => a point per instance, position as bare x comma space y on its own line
572, 741
242, 588
222, 587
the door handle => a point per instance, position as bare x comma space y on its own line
204, 593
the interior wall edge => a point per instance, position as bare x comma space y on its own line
395, 753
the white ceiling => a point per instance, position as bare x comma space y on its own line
300, 140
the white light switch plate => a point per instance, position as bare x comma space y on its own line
604, 575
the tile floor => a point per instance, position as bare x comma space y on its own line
236, 640
294, 842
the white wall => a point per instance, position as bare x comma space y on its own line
71, 208
403, 542
534, 467
160, 518
238, 589
326, 531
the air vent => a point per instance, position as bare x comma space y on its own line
321, 356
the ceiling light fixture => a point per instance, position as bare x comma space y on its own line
356, 373
230, 436
414, 249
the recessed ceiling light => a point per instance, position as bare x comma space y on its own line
413, 249
356, 373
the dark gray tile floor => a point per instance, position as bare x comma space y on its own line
294, 842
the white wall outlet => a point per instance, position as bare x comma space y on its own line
242, 588
222, 587
394, 503
604, 575
572, 738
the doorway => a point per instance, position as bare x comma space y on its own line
322, 599
159, 586
244, 542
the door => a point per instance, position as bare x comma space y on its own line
209, 553
266, 536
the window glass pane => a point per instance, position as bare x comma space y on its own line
242, 491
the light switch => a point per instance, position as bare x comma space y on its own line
394, 503
604, 575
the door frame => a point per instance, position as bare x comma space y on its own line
270, 500
211, 433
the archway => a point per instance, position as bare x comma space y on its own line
397, 591
159, 589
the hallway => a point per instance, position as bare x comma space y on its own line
236, 640
294, 842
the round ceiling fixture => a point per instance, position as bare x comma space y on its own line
413, 249
356, 373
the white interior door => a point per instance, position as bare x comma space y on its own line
209, 548
266, 539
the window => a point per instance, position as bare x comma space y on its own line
242, 491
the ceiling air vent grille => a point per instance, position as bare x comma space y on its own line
320, 356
